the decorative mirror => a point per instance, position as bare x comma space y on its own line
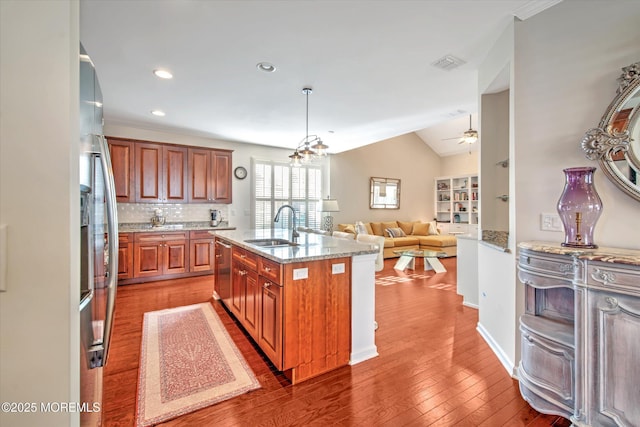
615, 143
385, 193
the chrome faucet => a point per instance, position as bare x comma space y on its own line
294, 232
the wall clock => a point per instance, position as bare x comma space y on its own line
240, 172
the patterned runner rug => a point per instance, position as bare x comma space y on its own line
187, 362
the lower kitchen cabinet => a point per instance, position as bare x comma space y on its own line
270, 330
125, 256
158, 254
302, 324
201, 252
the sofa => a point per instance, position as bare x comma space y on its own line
399, 235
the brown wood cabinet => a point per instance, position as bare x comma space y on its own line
125, 256
153, 172
303, 325
209, 176
122, 160
201, 252
160, 173
158, 254
244, 290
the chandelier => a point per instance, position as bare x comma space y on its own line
311, 145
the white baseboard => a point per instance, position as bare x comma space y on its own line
468, 304
497, 350
363, 355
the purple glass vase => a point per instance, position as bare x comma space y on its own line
579, 207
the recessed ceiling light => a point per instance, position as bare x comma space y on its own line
163, 74
266, 67
158, 113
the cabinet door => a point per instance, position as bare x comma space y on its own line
121, 153
614, 328
251, 316
174, 176
201, 256
199, 179
270, 330
176, 257
148, 259
148, 172
237, 289
221, 184
125, 261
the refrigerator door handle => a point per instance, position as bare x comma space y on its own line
112, 230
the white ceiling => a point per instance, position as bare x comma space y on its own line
368, 62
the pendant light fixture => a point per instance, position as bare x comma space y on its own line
304, 152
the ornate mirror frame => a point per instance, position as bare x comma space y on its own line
385, 193
615, 143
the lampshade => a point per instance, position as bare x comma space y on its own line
329, 205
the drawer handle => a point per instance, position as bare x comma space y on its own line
242, 272
243, 256
266, 285
267, 269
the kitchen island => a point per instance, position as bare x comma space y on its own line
309, 306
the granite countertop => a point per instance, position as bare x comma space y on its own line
603, 254
171, 226
310, 246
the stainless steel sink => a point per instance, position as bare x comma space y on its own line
270, 243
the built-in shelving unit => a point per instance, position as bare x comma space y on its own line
457, 201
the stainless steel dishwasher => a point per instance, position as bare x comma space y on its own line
222, 285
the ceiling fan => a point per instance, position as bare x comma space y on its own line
468, 137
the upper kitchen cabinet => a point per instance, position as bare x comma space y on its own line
209, 176
160, 173
121, 153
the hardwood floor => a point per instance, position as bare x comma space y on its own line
433, 368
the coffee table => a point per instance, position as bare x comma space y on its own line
431, 262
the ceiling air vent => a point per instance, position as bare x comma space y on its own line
448, 62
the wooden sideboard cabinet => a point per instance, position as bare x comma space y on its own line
580, 333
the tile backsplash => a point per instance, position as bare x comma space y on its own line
142, 212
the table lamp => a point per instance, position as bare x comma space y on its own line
328, 205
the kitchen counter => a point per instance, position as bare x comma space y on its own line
134, 227
310, 246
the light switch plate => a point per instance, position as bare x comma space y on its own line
550, 222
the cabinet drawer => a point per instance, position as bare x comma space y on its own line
248, 258
160, 236
547, 271
613, 278
124, 238
269, 269
200, 234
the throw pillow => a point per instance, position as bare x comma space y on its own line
420, 229
390, 224
406, 226
349, 229
360, 228
377, 228
395, 232
433, 228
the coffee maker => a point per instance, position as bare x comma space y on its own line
216, 217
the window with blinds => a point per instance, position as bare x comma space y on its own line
278, 184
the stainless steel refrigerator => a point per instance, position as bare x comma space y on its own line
98, 245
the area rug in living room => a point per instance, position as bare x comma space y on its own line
187, 362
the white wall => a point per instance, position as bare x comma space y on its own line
39, 201
494, 214
460, 164
565, 64
405, 157
239, 212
